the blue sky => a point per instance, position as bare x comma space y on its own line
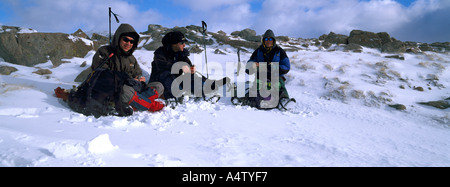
407, 20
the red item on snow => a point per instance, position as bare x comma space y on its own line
61, 93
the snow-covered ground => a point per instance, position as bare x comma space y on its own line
341, 118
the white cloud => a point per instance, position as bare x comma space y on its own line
69, 15
228, 16
311, 18
423, 20
208, 5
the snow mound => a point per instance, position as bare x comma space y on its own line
101, 145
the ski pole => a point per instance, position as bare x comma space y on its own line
117, 20
205, 27
239, 61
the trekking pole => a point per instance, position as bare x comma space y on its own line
204, 28
239, 61
117, 20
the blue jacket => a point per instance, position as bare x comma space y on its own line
276, 55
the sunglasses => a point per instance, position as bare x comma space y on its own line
126, 40
268, 39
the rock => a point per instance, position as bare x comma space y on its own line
354, 47
364, 38
282, 38
219, 52
442, 104
425, 47
7, 70
326, 45
29, 49
195, 49
380, 41
81, 34
398, 106
420, 89
83, 75
336, 38
84, 64
43, 72
396, 57
393, 47
247, 34
102, 40
441, 46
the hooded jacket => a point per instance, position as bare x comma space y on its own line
165, 57
121, 61
275, 54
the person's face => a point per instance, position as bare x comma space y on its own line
126, 43
178, 47
268, 42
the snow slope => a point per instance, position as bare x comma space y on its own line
342, 118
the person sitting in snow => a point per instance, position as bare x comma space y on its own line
271, 54
116, 78
123, 45
172, 52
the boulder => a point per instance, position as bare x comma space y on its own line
83, 75
195, 49
7, 70
425, 47
81, 34
441, 46
29, 49
398, 106
335, 38
354, 47
380, 41
442, 104
43, 72
393, 47
363, 38
282, 39
247, 34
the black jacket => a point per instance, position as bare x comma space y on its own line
164, 59
121, 61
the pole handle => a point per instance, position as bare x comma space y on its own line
204, 27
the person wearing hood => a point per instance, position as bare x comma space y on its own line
271, 53
166, 56
123, 45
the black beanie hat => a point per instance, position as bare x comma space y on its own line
173, 37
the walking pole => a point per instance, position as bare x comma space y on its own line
239, 61
110, 26
117, 20
204, 26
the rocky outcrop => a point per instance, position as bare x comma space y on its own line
247, 34
442, 104
381, 41
193, 33
335, 38
30, 49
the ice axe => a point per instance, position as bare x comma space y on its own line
204, 28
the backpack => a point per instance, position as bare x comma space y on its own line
99, 95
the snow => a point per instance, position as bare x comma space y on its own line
341, 118
77, 38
